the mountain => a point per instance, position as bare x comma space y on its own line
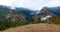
27, 12
47, 12
17, 14
55, 10
10, 14
51, 10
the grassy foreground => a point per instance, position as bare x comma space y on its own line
42, 27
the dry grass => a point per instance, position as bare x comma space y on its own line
53, 20
35, 28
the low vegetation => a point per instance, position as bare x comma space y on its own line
42, 27
5, 24
53, 20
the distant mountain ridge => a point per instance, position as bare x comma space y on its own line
54, 10
17, 14
24, 14
49, 11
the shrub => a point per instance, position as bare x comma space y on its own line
4, 24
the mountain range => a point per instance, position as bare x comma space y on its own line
25, 14
17, 14
47, 12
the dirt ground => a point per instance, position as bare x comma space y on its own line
43, 27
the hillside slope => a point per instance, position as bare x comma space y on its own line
35, 28
53, 20
17, 14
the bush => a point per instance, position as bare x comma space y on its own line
2, 27
4, 24
7, 24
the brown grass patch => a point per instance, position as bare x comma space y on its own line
36, 28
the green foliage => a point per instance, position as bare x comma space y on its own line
2, 27
5, 24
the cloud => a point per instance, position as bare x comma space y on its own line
31, 4
6, 2
53, 3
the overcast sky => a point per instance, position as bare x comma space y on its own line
31, 4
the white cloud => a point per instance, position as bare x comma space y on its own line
6, 2
31, 4
53, 3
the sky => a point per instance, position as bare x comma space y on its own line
31, 4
